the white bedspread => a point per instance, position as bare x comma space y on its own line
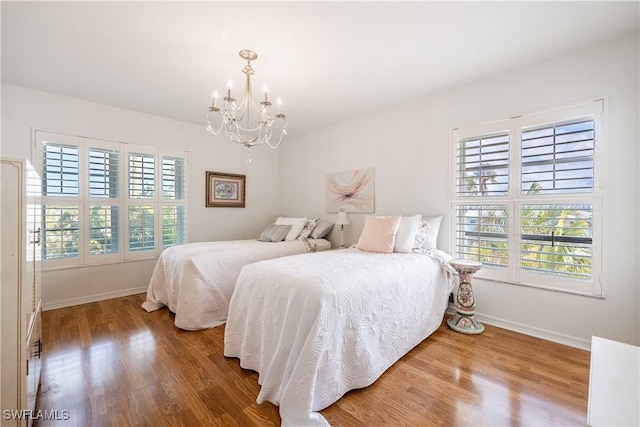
196, 280
315, 326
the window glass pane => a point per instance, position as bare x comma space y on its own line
141, 176
141, 228
103, 173
60, 170
482, 234
173, 178
104, 230
173, 225
558, 159
557, 240
61, 231
482, 166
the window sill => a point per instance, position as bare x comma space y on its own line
106, 264
541, 287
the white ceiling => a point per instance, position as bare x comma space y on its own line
329, 61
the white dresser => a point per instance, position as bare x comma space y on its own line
20, 301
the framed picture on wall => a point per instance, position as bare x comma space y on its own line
225, 190
351, 190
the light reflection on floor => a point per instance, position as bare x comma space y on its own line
504, 403
142, 346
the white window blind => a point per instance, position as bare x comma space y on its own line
483, 165
104, 176
60, 170
104, 229
557, 240
88, 219
142, 175
558, 158
61, 231
173, 232
483, 234
141, 228
173, 178
61, 209
547, 233
173, 195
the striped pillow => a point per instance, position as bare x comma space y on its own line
274, 233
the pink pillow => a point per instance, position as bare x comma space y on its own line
379, 234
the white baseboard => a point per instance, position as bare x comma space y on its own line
92, 298
533, 331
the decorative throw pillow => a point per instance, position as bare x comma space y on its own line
308, 227
379, 234
274, 233
322, 229
406, 233
421, 235
296, 226
432, 236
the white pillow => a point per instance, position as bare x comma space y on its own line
406, 233
432, 235
296, 226
379, 234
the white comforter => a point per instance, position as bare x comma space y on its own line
196, 280
315, 326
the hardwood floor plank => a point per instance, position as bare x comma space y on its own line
110, 363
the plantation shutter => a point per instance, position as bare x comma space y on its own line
548, 232
558, 158
482, 165
104, 192
557, 240
60, 170
141, 176
173, 196
60, 204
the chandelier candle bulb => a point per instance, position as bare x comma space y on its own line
266, 91
229, 86
279, 104
215, 98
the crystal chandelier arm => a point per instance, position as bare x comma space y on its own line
282, 133
209, 127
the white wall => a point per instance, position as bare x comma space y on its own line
408, 145
24, 110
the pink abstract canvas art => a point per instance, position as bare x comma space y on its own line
351, 190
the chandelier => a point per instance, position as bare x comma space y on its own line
247, 123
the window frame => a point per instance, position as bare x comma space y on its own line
84, 201
594, 109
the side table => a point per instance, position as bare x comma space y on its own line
463, 321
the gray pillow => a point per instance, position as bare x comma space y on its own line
274, 233
322, 229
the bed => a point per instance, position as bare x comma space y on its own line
196, 280
315, 326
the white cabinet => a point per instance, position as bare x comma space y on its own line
614, 384
20, 300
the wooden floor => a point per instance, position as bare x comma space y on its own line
111, 363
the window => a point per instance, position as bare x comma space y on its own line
89, 219
526, 198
